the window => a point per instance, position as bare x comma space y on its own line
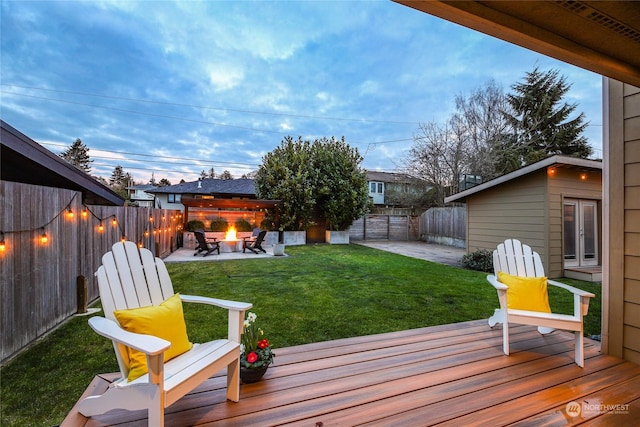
376, 187
174, 198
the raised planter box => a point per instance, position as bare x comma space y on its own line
337, 237
293, 238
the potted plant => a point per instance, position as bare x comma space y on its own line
255, 352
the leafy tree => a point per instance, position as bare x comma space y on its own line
78, 155
211, 173
203, 174
319, 178
225, 175
164, 182
540, 120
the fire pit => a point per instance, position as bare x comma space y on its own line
231, 243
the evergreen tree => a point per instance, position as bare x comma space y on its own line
164, 182
119, 181
78, 155
540, 119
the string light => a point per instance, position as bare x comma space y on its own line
42, 236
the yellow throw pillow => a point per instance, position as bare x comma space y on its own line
526, 293
165, 321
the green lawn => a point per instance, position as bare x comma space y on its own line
317, 293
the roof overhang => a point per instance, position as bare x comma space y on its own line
600, 36
26, 161
557, 161
246, 204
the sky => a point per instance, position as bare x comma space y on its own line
169, 89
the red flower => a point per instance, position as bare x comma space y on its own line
252, 357
263, 344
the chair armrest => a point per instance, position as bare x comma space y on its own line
147, 344
236, 312
229, 305
575, 291
496, 284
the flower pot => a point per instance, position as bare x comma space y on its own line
248, 375
278, 249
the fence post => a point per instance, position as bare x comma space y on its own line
81, 288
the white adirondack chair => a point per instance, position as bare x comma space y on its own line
130, 278
512, 257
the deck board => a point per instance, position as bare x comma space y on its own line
444, 375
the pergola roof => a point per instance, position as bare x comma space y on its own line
229, 203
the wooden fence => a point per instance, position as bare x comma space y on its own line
38, 279
385, 227
444, 226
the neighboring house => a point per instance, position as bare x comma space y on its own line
170, 196
553, 205
140, 197
601, 37
395, 189
211, 199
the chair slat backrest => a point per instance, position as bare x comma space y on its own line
514, 258
131, 278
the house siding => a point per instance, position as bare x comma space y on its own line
566, 184
621, 284
511, 210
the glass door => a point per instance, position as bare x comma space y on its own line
580, 220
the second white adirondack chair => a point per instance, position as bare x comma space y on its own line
132, 278
512, 257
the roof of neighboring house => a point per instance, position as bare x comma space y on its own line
232, 187
24, 160
143, 187
390, 177
549, 161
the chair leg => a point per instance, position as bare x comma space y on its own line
505, 337
544, 330
498, 317
233, 381
579, 349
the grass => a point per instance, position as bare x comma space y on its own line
318, 293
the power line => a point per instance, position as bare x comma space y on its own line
205, 107
156, 157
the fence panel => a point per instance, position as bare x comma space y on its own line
38, 280
385, 227
446, 225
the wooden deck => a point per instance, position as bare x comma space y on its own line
444, 375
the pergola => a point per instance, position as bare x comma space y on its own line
230, 204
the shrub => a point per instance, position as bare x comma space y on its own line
219, 225
480, 260
194, 225
243, 225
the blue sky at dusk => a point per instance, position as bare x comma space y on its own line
174, 88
